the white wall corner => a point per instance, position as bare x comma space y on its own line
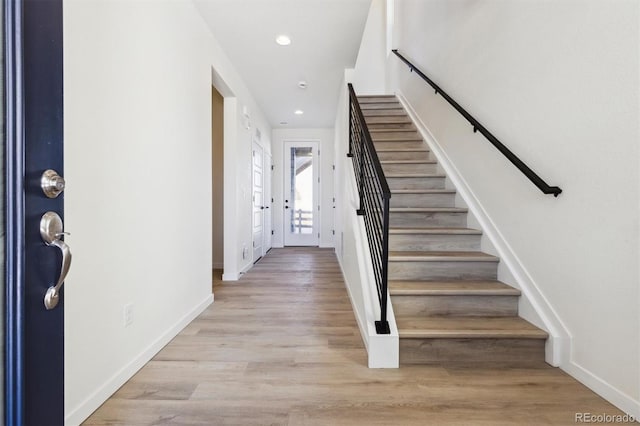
558, 346
231, 276
82, 411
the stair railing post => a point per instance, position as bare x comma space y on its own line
350, 153
382, 326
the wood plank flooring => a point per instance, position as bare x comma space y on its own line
281, 347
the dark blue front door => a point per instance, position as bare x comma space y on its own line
34, 388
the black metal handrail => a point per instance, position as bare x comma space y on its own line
477, 127
374, 195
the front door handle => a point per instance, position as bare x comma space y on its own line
52, 233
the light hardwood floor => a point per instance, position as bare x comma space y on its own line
281, 347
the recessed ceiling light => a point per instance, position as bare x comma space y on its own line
283, 40
298, 112
302, 84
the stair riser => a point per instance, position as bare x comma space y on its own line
461, 306
383, 113
445, 270
404, 155
415, 182
390, 126
422, 200
384, 120
429, 242
384, 105
376, 99
395, 135
411, 168
473, 352
428, 220
399, 145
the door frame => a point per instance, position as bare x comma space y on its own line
313, 240
267, 227
14, 212
34, 354
257, 206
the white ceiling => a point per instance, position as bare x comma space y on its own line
325, 38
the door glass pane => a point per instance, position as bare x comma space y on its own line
301, 175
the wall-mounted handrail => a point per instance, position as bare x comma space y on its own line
374, 195
477, 127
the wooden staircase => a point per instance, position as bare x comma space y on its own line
448, 303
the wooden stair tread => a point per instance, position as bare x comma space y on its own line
428, 210
467, 328
436, 231
380, 105
408, 162
415, 175
441, 256
392, 130
388, 139
403, 149
375, 96
451, 288
398, 121
423, 191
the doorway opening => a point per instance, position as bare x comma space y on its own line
217, 179
301, 189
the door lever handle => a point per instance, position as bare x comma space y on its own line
51, 233
52, 296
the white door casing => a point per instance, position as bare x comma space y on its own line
268, 204
258, 200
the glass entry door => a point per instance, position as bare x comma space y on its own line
301, 189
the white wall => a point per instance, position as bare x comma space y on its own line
325, 139
369, 75
138, 78
557, 82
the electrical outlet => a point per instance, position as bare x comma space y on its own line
127, 314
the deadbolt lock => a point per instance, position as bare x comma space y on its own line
52, 183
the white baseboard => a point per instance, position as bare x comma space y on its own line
235, 276
78, 414
621, 400
230, 276
354, 306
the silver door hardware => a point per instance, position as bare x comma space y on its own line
52, 183
52, 234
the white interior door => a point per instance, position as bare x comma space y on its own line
301, 190
258, 201
268, 202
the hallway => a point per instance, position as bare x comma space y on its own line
281, 346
